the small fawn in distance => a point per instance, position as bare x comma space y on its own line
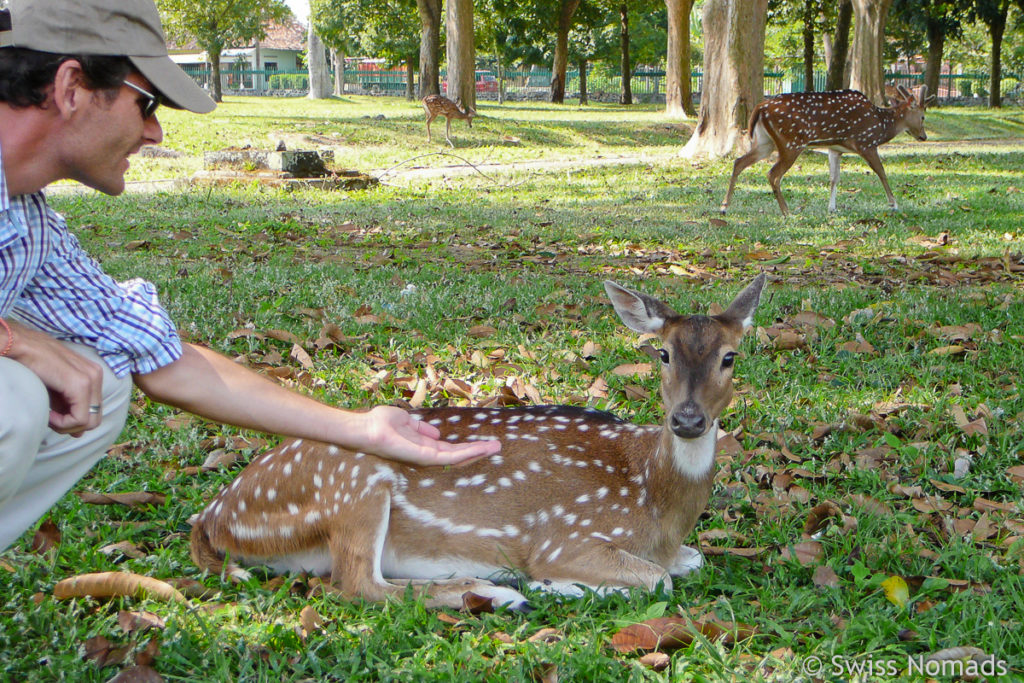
576, 497
439, 105
841, 120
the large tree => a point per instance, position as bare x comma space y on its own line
837, 66
936, 20
993, 13
218, 24
461, 52
559, 67
866, 73
430, 45
678, 93
319, 71
392, 31
733, 74
338, 23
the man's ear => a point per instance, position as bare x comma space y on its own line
69, 88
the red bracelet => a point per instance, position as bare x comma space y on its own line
10, 338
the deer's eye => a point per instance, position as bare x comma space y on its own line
728, 360
664, 355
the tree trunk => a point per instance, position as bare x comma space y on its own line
430, 46
733, 74
410, 78
868, 33
561, 61
996, 30
461, 52
808, 33
678, 93
626, 93
218, 92
583, 81
837, 70
338, 58
319, 78
933, 67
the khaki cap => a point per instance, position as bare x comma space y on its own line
105, 27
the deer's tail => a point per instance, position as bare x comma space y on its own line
753, 121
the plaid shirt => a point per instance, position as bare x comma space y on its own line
47, 282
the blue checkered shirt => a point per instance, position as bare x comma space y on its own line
49, 283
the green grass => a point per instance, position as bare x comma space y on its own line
493, 251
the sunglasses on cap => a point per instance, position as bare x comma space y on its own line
150, 104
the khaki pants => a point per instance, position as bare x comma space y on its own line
37, 465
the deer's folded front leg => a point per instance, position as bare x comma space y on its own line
603, 568
357, 544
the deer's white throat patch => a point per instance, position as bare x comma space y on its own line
693, 458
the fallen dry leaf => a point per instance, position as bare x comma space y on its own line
140, 620
47, 536
657, 661
132, 500
137, 674
103, 652
807, 552
825, 576
115, 584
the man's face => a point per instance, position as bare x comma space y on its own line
109, 131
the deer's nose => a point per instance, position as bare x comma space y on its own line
688, 421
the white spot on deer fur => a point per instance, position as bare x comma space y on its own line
574, 535
475, 480
505, 481
241, 506
341, 467
293, 508
454, 418
519, 475
243, 532
618, 531
287, 469
497, 460
425, 483
570, 518
271, 494
298, 457
312, 516
583, 427
602, 492
600, 537
490, 489
534, 467
234, 484
257, 492
449, 494
355, 471
346, 499
317, 481
451, 437
332, 450
436, 421
586, 522
554, 555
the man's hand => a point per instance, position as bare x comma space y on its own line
74, 382
395, 434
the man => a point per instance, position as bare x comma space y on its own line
80, 82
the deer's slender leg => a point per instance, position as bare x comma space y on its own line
430, 117
602, 568
833, 177
356, 542
871, 156
762, 148
448, 130
786, 159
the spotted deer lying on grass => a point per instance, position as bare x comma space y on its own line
577, 497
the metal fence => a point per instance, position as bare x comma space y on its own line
646, 85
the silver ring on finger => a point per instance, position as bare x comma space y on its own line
94, 409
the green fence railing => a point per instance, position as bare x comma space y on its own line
535, 83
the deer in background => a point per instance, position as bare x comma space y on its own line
841, 120
439, 105
576, 496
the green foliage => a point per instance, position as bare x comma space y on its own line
289, 82
490, 249
216, 24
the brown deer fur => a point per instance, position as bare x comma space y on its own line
576, 496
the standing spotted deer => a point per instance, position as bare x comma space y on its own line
841, 120
577, 497
439, 105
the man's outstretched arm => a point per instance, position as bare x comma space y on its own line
213, 386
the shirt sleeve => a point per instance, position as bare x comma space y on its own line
72, 298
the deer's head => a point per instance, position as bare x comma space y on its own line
910, 109
468, 112
697, 352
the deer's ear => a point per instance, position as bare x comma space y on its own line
639, 312
743, 306
922, 97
